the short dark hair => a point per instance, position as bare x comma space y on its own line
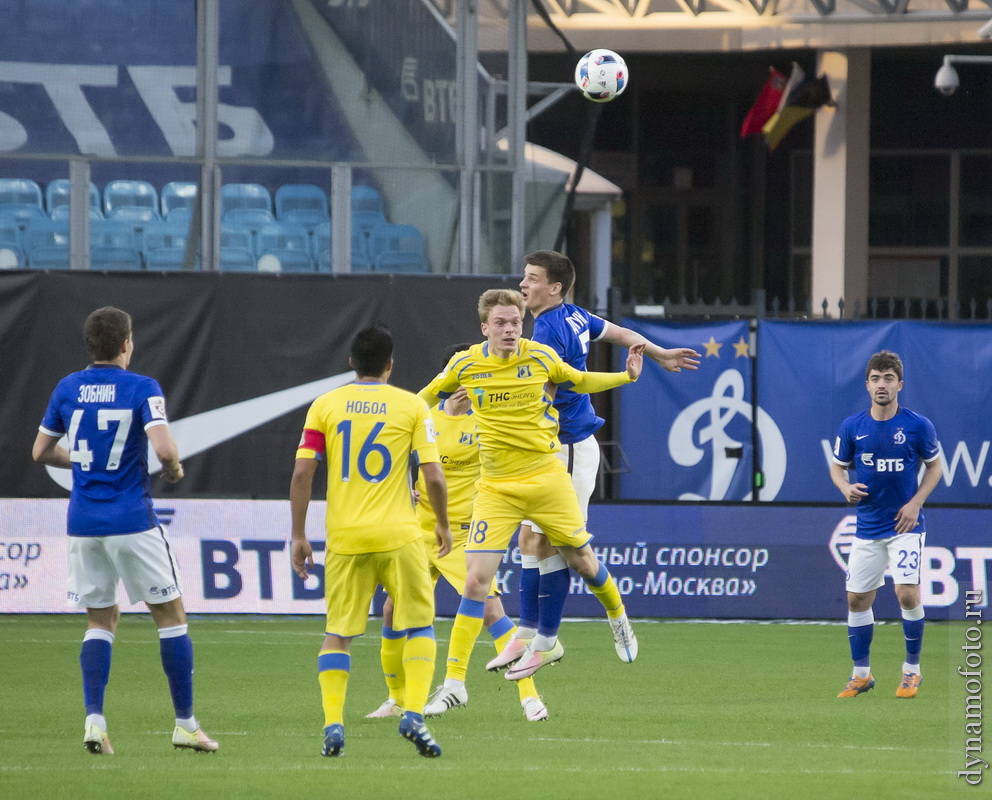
455, 348
557, 266
371, 350
105, 332
883, 361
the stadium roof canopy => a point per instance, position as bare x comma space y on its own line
659, 26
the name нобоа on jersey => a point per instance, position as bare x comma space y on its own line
364, 407
97, 393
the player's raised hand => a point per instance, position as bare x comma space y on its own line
677, 359
301, 556
635, 361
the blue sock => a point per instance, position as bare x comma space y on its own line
551, 601
530, 578
912, 629
94, 661
860, 630
176, 649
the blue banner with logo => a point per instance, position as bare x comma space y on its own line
688, 435
811, 376
697, 435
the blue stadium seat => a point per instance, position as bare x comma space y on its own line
321, 249
246, 204
57, 199
236, 252
180, 216
114, 245
46, 244
136, 201
165, 246
302, 204
20, 201
397, 248
284, 248
320, 246
176, 195
366, 208
11, 256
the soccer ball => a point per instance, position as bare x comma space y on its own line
601, 75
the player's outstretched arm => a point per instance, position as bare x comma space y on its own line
300, 489
671, 360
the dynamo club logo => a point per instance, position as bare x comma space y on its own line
706, 421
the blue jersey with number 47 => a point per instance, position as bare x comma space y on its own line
104, 412
885, 456
567, 330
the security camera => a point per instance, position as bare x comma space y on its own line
947, 80
985, 32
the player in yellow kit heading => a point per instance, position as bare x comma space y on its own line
506, 378
369, 433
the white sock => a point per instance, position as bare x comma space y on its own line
190, 725
97, 719
541, 642
525, 633
913, 668
861, 672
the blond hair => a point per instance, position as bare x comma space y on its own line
499, 297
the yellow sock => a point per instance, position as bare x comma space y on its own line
418, 666
391, 656
608, 594
464, 632
501, 638
333, 667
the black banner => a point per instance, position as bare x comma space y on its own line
213, 340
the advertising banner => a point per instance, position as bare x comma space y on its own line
745, 561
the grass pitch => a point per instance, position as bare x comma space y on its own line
709, 710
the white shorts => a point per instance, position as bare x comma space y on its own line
144, 561
582, 462
869, 559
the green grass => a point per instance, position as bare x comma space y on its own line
708, 710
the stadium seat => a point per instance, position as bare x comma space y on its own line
20, 201
180, 216
11, 256
177, 195
135, 201
284, 248
397, 248
114, 245
46, 244
57, 199
366, 208
360, 261
165, 246
236, 254
246, 204
302, 204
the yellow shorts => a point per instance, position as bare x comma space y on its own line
546, 497
350, 582
452, 567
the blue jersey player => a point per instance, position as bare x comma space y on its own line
885, 447
108, 417
569, 330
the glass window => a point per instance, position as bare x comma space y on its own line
975, 285
909, 200
976, 201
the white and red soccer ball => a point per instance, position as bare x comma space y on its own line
601, 75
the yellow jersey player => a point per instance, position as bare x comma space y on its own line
457, 444
506, 378
369, 432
